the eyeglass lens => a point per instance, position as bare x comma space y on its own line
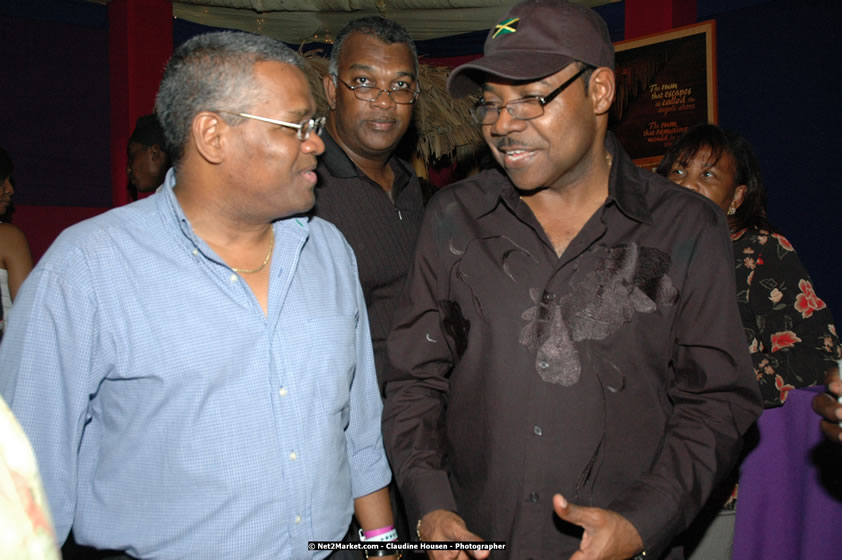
403, 96
316, 126
523, 109
370, 93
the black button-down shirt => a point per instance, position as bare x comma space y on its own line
616, 374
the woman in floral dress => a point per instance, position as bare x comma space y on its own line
789, 329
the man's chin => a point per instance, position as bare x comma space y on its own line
381, 142
524, 184
304, 207
528, 191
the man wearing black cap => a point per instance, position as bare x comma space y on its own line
569, 333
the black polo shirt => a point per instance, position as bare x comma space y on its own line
381, 230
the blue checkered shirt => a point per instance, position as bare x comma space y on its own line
171, 417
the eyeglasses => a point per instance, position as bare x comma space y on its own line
315, 125
522, 109
402, 96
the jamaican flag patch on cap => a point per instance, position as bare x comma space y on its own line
505, 27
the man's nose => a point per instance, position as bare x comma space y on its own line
384, 100
313, 145
506, 123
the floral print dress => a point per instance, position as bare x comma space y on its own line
788, 328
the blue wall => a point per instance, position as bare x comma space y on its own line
55, 103
779, 85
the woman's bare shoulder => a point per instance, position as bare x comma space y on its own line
8, 232
13, 242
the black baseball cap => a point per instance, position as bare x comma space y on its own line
537, 38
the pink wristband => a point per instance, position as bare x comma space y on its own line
380, 531
384, 534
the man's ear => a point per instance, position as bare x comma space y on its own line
601, 89
156, 152
208, 136
330, 91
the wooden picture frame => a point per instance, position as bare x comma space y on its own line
666, 83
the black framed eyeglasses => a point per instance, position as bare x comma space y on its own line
304, 129
523, 109
401, 96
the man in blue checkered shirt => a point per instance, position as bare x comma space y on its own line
194, 370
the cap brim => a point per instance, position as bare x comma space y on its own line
470, 76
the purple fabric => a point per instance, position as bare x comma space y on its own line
785, 509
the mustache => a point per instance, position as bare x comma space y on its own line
508, 142
309, 165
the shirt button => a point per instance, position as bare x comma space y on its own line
297, 519
549, 297
533, 497
537, 430
233, 278
283, 391
195, 252
543, 364
292, 456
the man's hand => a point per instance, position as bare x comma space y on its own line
828, 407
608, 535
443, 525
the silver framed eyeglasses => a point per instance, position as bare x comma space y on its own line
402, 96
523, 109
305, 128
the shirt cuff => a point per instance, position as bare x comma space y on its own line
369, 472
427, 492
655, 515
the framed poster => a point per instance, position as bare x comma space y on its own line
665, 83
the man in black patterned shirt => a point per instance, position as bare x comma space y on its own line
567, 371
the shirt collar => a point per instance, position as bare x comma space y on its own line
171, 209
339, 165
625, 186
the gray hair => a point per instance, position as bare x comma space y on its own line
382, 29
213, 71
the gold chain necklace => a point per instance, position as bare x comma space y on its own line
265, 261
